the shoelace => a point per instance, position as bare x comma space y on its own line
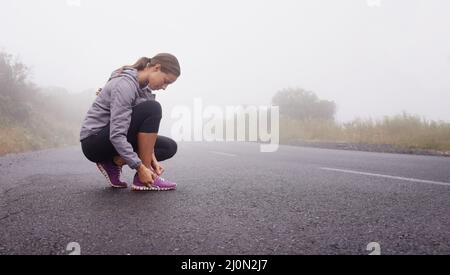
119, 169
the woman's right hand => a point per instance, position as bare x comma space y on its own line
146, 176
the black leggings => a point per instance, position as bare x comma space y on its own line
145, 118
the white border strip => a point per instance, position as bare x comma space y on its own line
223, 154
386, 176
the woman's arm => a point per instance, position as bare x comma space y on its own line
122, 98
159, 169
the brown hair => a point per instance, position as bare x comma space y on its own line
169, 63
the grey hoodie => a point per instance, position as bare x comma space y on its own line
114, 106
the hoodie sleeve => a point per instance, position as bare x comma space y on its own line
122, 96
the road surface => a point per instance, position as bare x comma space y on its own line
231, 199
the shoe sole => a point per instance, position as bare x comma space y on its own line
145, 188
103, 171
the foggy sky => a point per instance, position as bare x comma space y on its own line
371, 60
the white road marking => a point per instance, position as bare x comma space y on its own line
386, 176
222, 153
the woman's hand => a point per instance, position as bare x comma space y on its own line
156, 166
146, 176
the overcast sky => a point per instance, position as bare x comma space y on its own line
372, 58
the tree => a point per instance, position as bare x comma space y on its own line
15, 93
301, 104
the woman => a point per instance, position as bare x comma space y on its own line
121, 127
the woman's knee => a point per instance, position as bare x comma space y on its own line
165, 148
148, 108
173, 147
145, 118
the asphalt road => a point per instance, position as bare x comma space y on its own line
231, 199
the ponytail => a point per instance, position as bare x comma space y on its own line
169, 63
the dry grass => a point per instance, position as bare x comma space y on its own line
41, 133
404, 130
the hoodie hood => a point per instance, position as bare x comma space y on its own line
132, 74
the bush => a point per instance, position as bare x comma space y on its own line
33, 118
403, 130
300, 104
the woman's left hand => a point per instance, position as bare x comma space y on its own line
156, 166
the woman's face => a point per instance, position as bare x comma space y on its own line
158, 80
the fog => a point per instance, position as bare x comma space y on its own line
372, 57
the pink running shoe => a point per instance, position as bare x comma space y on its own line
159, 184
112, 173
